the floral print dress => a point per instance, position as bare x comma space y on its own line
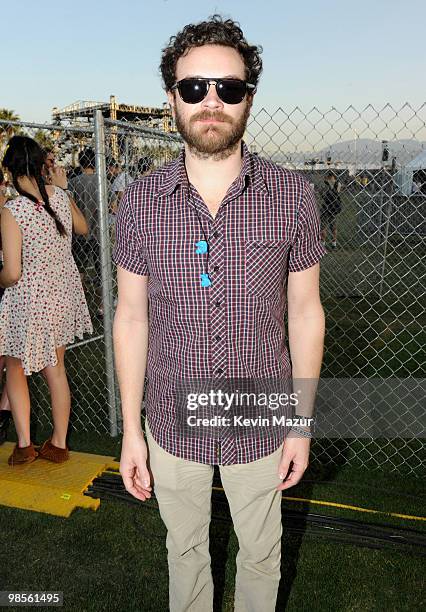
47, 307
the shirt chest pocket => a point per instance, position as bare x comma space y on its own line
265, 266
172, 267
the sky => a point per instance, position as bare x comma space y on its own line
316, 53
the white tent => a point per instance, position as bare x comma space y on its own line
404, 177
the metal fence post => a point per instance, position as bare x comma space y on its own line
106, 267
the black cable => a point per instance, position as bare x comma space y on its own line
289, 529
114, 483
337, 529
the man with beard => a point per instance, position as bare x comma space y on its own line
218, 242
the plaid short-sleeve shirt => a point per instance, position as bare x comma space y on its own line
266, 226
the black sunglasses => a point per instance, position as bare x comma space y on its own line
230, 91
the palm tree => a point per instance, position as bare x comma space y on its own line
44, 139
7, 131
8, 115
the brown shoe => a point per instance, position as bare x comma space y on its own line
23, 454
53, 453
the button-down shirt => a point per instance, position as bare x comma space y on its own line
267, 225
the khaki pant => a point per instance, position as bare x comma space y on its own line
183, 490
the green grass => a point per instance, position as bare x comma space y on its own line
115, 558
368, 333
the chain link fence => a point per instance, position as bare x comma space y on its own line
372, 279
86, 359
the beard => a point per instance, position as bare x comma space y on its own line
215, 141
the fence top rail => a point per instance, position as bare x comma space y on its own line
129, 126
48, 126
124, 128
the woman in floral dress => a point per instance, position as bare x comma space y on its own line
43, 306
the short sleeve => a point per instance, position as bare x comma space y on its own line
16, 208
307, 248
128, 251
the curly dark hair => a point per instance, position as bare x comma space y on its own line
215, 31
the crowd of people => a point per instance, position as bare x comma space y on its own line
49, 238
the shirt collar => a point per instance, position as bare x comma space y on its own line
250, 171
175, 175
250, 174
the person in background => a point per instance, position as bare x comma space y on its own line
48, 166
84, 190
49, 163
73, 171
120, 180
112, 170
43, 306
331, 207
5, 413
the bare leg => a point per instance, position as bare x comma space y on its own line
19, 398
60, 397
4, 400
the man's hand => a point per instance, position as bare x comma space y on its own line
135, 474
296, 450
58, 177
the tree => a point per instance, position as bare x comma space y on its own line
160, 153
8, 115
44, 139
7, 131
